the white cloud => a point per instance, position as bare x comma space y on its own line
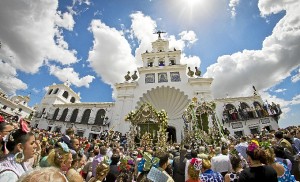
188, 36
263, 68
87, 2
110, 56
28, 30
64, 20
143, 28
64, 74
35, 90
9, 82
280, 90
296, 77
232, 5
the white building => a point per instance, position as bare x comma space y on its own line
161, 81
15, 106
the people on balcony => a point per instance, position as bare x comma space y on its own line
244, 112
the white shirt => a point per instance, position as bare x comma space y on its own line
221, 163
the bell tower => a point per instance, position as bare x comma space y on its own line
161, 55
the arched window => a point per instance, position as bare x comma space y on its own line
86, 116
259, 109
56, 90
50, 91
72, 99
99, 120
74, 116
255, 103
231, 112
64, 115
150, 62
247, 111
65, 94
55, 113
172, 62
161, 62
244, 105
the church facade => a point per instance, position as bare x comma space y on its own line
164, 83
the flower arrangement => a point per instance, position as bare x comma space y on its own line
253, 145
126, 164
265, 144
147, 162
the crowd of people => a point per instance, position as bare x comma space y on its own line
32, 155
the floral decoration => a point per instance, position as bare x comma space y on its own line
253, 145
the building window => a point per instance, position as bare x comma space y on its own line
172, 62
56, 90
50, 91
239, 133
64, 115
72, 99
162, 77
254, 130
161, 62
20, 109
86, 116
230, 112
99, 120
74, 116
4, 107
55, 114
65, 94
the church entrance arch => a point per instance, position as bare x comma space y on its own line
171, 130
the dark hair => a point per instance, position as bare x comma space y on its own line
142, 177
235, 161
257, 154
194, 154
16, 137
2, 126
115, 159
279, 151
279, 134
163, 158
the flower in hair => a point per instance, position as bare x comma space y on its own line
2, 119
64, 146
253, 145
197, 164
24, 126
255, 141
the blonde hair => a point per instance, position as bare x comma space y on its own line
57, 156
192, 172
73, 176
43, 174
270, 156
206, 164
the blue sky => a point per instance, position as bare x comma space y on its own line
93, 44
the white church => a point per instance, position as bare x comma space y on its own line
164, 83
